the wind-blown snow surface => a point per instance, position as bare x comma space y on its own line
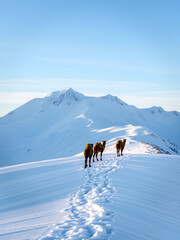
132, 197
61, 124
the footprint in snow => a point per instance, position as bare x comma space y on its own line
87, 218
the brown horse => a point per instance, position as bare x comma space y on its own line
99, 147
120, 146
88, 152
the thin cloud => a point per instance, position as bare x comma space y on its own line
19, 97
70, 81
170, 103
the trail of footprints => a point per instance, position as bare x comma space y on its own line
86, 216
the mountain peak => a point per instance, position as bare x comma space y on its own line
155, 110
114, 99
66, 96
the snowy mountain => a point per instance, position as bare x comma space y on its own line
135, 196
61, 124
131, 197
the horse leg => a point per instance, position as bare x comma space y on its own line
97, 157
101, 156
93, 157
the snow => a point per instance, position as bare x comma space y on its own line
45, 192
146, 202
32, 195
42, 128
131, 197
67, 97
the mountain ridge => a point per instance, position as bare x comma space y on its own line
60, 125
57, 97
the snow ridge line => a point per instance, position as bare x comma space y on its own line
86, 215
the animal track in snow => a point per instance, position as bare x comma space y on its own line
86, 216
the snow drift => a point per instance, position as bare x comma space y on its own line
131, 197
61, 124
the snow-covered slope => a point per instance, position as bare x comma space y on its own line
131, 197
61, 124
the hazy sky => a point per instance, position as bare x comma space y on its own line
128, 48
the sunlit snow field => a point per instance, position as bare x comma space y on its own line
45, 192
136, 196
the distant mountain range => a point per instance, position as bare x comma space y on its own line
61, 124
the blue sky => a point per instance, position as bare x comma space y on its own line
126, 48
